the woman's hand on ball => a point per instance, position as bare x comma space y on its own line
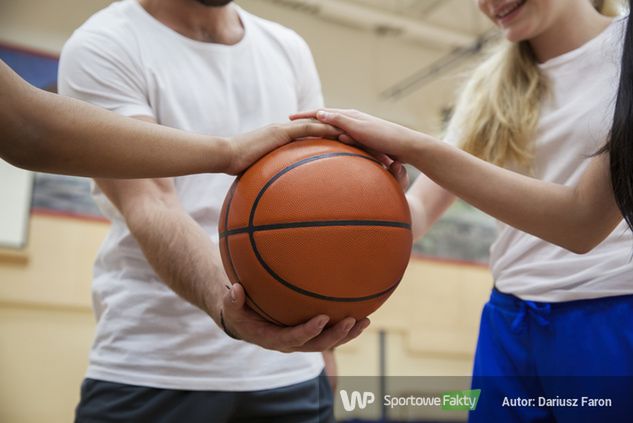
243, 323
369, 131
245, 149
394, 167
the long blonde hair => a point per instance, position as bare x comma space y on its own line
499, 108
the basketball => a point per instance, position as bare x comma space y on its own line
315, 227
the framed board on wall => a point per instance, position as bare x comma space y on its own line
21, 191
16, 185
16, 191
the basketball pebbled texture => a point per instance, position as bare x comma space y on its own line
315, 227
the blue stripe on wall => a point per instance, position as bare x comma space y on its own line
37, 70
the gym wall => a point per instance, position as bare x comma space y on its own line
429, 325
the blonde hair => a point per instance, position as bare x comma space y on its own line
499, 108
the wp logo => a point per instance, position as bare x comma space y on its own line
356, 399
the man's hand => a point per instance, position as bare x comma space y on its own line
247, 148
245, 324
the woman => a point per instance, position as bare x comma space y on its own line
541, 105
49, 133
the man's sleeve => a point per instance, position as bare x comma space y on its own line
99, 70
308, 82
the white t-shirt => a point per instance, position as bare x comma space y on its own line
574, 124
126, 61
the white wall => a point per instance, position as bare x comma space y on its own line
15, 202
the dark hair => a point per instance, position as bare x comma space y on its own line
620, 143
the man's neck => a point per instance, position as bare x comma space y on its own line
218, 25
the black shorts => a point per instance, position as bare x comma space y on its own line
306, 402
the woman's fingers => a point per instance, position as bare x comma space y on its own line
343, 121
313, 113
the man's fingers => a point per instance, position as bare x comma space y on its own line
313, 129
346, 139
330, 337
232, 304
309, 336
296, 336
238, 295
358, 328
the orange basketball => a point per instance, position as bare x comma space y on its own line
315, 227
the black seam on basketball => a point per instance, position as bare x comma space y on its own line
287, 169
271, 272
230, 259
316, 294
226, 225
317, 223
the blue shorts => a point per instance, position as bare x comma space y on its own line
306, 402
554, 362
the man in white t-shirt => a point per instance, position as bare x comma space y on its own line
207, 67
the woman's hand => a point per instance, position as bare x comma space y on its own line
374, 134
386, 141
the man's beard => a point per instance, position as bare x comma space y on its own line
214, 3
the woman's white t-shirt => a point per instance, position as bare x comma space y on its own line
574, 124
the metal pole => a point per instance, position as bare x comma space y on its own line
382, 355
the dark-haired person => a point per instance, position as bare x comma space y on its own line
45, 132
557, 323
208, 67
